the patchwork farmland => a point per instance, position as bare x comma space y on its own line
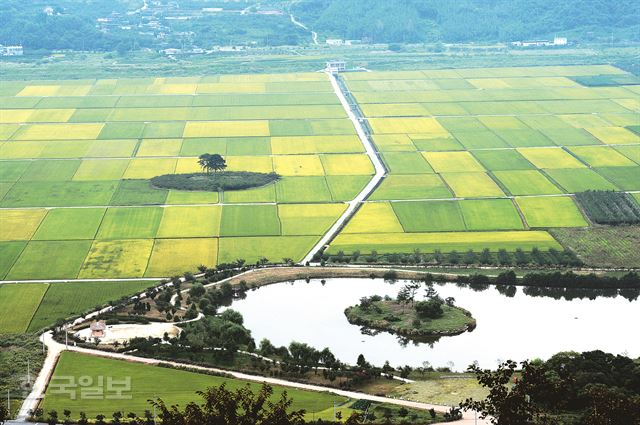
77, 155
489, 158
476, 158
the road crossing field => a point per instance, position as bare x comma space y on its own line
495, 142
474, 154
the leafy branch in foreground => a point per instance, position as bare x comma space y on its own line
239, 407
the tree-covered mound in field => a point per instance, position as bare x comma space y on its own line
416, 320
214, 182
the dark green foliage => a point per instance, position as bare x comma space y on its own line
607, 207
591, 387
242, 406
470, 258
226, 180
468, 20
431, 309
606, 80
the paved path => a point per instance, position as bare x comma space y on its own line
366, 191
55, 349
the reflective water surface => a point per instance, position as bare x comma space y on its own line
519, 327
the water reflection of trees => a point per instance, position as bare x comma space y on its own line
557, 293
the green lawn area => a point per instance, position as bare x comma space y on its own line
149, 382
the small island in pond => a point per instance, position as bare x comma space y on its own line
405, 316
213, 178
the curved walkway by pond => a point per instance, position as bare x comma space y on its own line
55, 349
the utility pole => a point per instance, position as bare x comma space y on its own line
9, 402
66, 338
29, 372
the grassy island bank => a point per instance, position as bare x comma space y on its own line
433, 317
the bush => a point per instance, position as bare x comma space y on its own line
431, 309
227, 180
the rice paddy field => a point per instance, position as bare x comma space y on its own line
476, 158
30, 307
76, 156
489, 158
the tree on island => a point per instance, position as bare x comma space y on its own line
212, 162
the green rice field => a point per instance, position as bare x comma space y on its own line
490, 159
29, 307
479, 155
75, 170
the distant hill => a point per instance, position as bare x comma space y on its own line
400, 21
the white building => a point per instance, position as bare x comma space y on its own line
11, 50
560, 41
336, 66
334, 42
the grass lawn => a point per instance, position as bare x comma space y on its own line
18, 303
63, 300
173, 386
551, 212
441, 390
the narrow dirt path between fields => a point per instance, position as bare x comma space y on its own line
380, 169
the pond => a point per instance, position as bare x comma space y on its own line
518, 328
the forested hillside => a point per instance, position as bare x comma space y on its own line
471, 20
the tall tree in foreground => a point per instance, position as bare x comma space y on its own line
239, 407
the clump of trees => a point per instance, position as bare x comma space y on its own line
592, 387
212, 162
486, 257
609, 207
